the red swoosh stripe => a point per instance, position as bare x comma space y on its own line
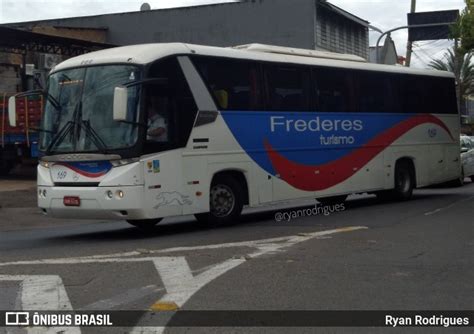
84, 173
319, 177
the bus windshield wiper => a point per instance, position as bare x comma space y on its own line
73, 128
96, 139
53, 101
70, 126
59, 138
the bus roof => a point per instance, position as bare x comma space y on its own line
142, 54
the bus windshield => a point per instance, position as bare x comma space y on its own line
78, 116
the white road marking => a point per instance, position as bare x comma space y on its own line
288, 240
126, 297
181, 285
448, 207
43, 293
179, 281
432, 212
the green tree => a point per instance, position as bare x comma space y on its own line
463, 30
463, 68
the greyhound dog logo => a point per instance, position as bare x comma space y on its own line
172, 198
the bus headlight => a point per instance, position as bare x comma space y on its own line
44, 164
123, 162
120, 194
109, 194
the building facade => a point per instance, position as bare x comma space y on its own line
308, 24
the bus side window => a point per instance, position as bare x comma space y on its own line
376, 92
442, 92
175, 103
335, 90
288, 88
233, 83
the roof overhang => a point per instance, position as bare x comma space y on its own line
342, 12
20, 41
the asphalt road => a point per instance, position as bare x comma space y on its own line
415, 255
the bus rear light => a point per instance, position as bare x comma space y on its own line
193, 182
198, 193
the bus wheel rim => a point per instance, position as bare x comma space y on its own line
222, 200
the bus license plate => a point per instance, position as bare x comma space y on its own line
72, 201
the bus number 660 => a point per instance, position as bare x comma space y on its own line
62, 174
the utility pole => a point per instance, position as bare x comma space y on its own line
410, 44
457, 75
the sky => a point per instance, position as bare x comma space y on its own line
383, 14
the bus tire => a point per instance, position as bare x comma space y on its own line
145, 224
460, 182
332, 200
404, 181
226, 201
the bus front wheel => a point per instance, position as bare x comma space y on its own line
145, 224
226, 200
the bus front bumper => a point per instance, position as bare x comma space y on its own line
93, 202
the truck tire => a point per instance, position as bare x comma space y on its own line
226, 201
5, 167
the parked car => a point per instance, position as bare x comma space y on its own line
467, 157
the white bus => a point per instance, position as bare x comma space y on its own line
143, 132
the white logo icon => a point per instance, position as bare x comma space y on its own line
17, 318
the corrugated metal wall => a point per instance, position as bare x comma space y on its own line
336, 33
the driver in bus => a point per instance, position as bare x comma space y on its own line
157, 130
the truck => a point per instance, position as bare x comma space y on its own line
19, 143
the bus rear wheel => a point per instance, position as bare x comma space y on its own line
404, 181
460, 181
145, 224
226, 200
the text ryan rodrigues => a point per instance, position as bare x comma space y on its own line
419, 320
318, 125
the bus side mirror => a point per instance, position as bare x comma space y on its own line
12, 111
120, 103
464, 149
